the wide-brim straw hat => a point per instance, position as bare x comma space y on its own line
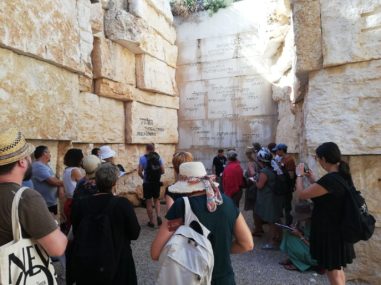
190, 174
13, 146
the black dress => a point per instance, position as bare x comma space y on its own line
326, 243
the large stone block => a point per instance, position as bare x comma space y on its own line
150, 124
114, 4
163, 7
351, 31
38, 97
101, 119
134, 34
226, 98
52, 30
154, 18
307, 35
366, 173
147, 70
112, 61
237, 132
123, 92
341, 105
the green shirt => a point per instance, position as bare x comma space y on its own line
221, 226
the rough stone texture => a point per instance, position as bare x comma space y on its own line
307, 35
123, 92
97, 19
346, 96
150, 124
163, 7
133, 33
351, 32
37, 97
112, 61
116, 4
147, 70
54, 31
154, 18
101, 120
85, 84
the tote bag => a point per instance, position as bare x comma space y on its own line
23, 261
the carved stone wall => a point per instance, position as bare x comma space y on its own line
226, 66
76, 74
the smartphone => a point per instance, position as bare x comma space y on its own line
306, 168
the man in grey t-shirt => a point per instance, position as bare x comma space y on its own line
43, 178
35, 220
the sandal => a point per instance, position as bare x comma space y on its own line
290, 267
285, 262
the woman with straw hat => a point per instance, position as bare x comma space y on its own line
215, 211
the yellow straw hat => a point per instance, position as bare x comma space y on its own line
13, 146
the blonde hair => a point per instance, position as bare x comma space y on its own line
179, 158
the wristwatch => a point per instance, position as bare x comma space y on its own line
299, 175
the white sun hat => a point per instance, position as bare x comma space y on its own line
106, 152
190, 178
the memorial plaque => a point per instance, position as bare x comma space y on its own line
146, 123
192, 100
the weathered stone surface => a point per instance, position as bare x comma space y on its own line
237, 132
101, 121
154, 18
150, 124
38, 97
163, 7
307, 35
112, 61
341, 105
115, 4
54, 31
147, 71
116, 90
351, 31
134, 34
155, 99
85, 84
366, 172
85, 35
226, 98
97, 19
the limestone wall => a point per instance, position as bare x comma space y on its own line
336, 96
226, 66
76, 74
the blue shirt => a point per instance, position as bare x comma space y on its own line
143, 164
40, 173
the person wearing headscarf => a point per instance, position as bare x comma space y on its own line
229, 231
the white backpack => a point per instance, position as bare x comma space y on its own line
187, 258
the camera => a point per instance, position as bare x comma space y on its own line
306, 168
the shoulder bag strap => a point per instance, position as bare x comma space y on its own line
16, 227
189, 216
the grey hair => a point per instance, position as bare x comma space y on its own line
106, 176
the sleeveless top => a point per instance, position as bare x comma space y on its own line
69, 184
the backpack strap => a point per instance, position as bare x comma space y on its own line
189, 217
16, 227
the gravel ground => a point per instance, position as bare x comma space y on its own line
258, 267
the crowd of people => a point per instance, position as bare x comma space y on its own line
97, 226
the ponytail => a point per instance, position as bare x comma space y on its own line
345, 172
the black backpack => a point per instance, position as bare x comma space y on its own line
153, 169
357, 223
93, 255
283, 183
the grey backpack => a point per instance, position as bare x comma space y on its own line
187, 258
